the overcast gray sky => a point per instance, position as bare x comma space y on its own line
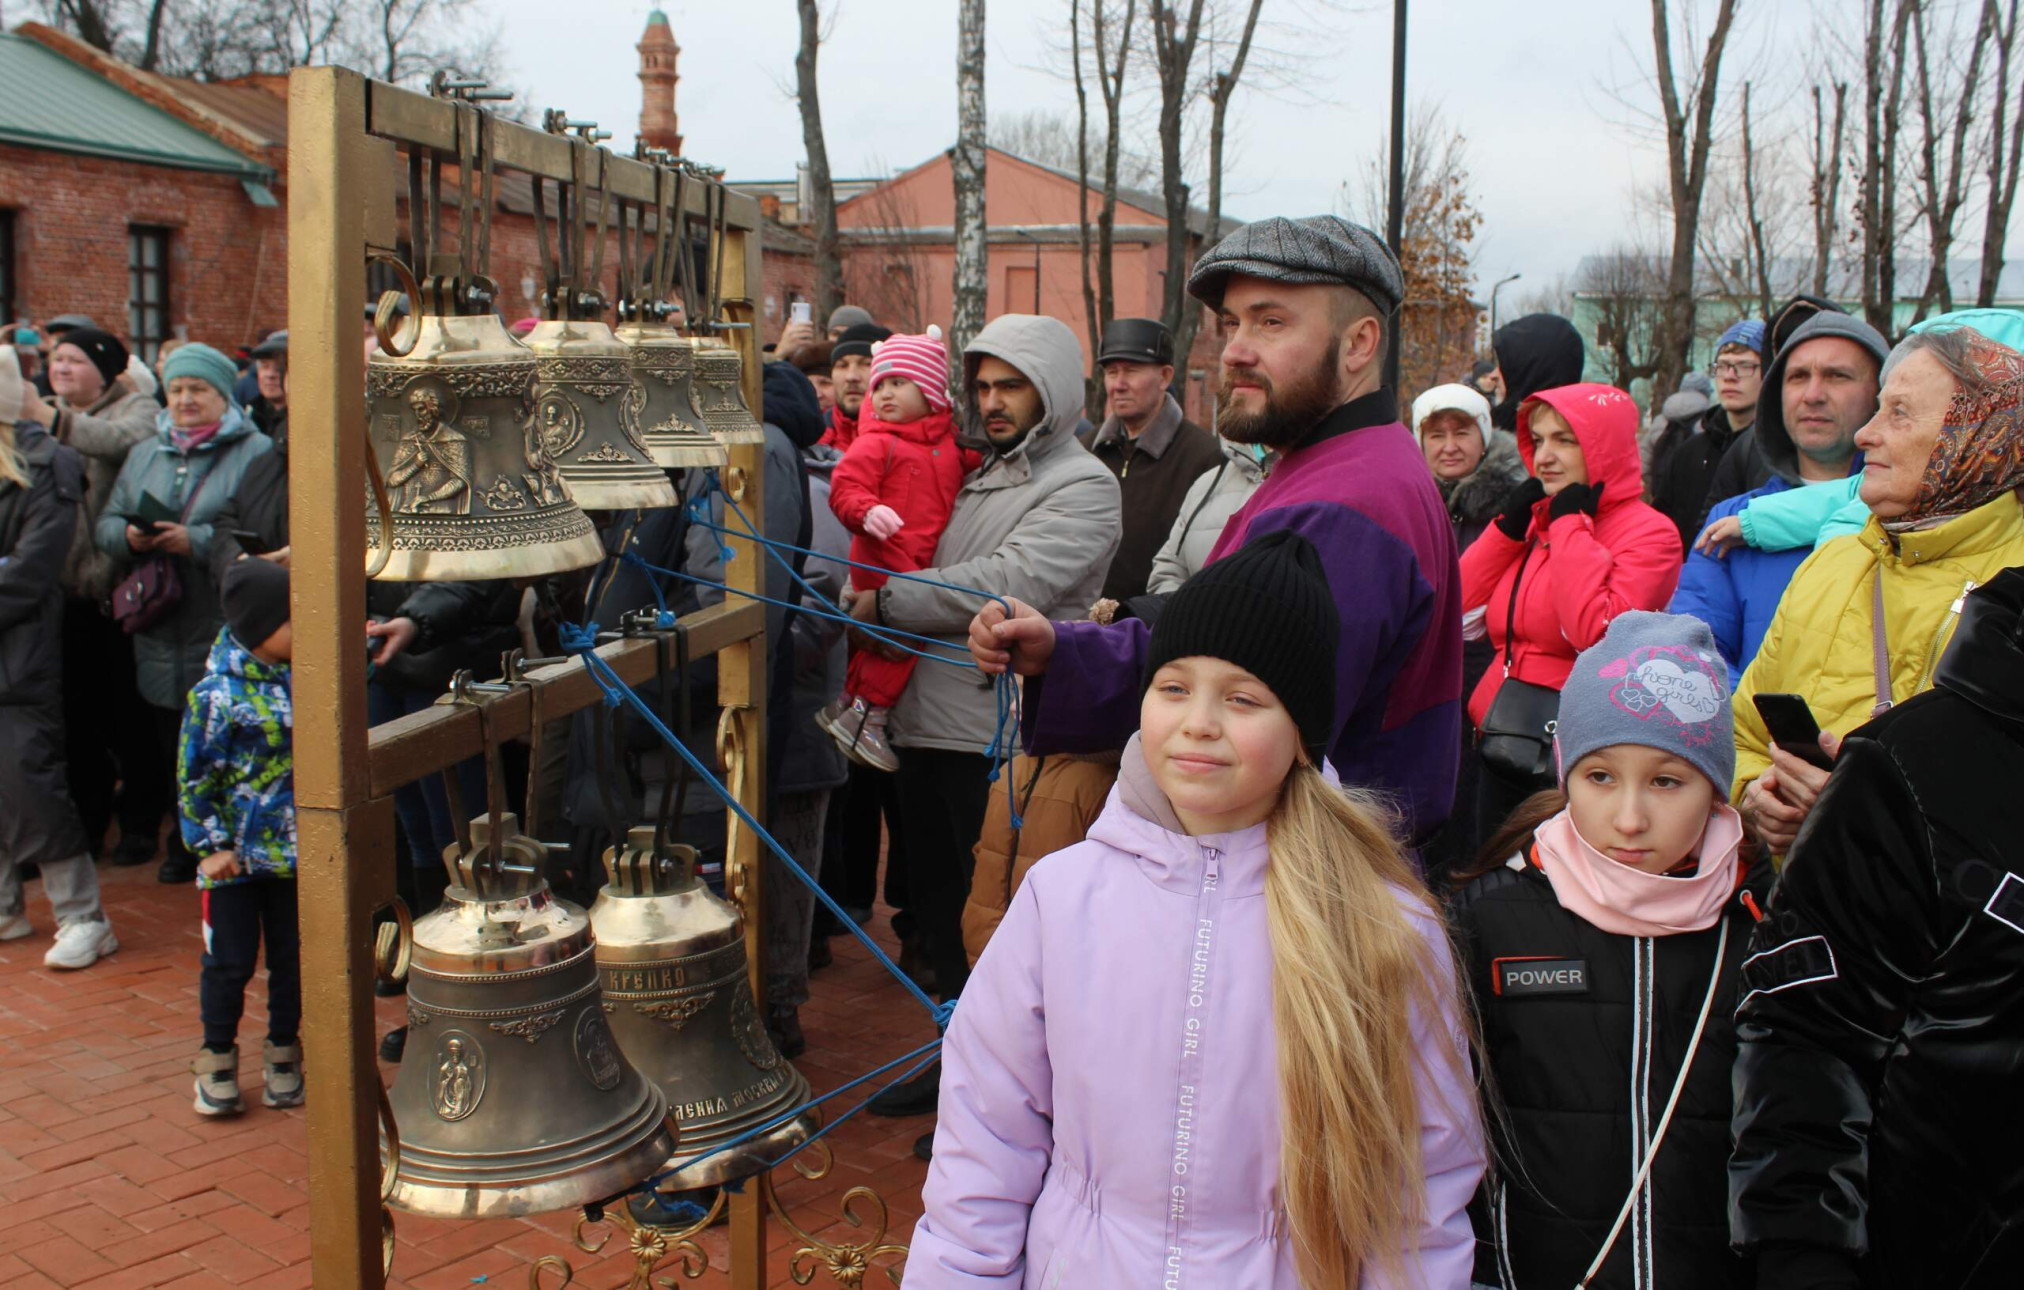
1555, 158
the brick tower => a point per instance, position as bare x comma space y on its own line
658, 52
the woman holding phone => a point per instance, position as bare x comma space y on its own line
162, 509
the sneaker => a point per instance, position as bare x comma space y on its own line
830, 713
872, 748
79, 944
282, 1073
15, 926
918, 1096
217, 1082
842, 719
395, 1045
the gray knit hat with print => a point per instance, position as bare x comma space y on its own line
1656, 680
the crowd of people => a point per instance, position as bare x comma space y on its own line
1505, 839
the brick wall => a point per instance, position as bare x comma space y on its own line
228, 259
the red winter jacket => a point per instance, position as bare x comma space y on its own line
1582, 572
917, 469
842, 431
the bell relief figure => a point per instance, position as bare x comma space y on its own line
431, 474
456, 1083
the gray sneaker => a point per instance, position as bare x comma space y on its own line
283, 1074
217, 1082
830, 714
872, 748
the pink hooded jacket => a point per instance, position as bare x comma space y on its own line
1109, 1110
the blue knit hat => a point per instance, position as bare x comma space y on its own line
1655, 680
1748, 332
204, 363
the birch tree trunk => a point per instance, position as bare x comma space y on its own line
972, 252
822, 193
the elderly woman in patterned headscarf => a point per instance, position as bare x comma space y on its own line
1865, 621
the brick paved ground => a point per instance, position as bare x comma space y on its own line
108, 1180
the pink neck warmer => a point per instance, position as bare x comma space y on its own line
188, 437
1630, 902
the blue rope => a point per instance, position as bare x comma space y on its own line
582, 642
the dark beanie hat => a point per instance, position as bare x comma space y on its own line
858, 340
255, 595
1266, 608
101, 347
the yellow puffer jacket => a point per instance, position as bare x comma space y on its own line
1820, 643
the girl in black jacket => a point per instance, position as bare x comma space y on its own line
1603, 941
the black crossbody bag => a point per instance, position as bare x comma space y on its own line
1517, 732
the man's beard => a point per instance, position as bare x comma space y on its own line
1289, 413
850, 402
1006, 434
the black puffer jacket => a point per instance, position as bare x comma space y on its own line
1683, 466
1878, 1139
1586, 1030
37, 525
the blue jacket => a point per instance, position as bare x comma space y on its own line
1737, 595
236, 764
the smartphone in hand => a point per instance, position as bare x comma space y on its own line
1793, 728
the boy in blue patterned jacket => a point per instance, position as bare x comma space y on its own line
236, 778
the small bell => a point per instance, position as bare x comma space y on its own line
672, 955
720, 393
514, 1097
664, 364
587, 404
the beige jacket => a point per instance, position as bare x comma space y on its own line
104, 433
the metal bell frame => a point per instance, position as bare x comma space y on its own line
664, 361
345, 130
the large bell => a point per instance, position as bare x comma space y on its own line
587, 404
514, 1097
664, 363
720, 393
472, 490
672, 954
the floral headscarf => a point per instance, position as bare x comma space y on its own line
1979, 454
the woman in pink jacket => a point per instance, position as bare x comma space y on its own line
1575, 546
1217, 1044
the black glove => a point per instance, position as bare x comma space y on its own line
1575, 497
1517, 516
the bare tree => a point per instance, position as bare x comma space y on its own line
1750, 223
1110, 68
971, 250
822, 192
2002, 152
1174, 40
1053, 138
1883, 68
1825, 185
1945, 181
1626, 290
1222, 86
1092, 388
886, 267
1689, 121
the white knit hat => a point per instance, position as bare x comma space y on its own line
1453, 398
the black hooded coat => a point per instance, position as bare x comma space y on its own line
1536, 352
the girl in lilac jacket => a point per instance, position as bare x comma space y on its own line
1217, 1044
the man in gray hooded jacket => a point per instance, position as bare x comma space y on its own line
1039, 521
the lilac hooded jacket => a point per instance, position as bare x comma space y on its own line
1109, 1110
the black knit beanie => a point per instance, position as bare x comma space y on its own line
1266, 608
255, 596
857, 340
101, 347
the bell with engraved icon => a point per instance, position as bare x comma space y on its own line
672, 958
664, 364
470, 490
587, 404
720, 393
514, 1097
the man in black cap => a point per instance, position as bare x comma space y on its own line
270, 373
1153, 450
53, 333
1303, 306
850, 381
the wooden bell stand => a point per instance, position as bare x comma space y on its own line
342, 173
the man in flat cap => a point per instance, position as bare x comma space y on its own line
1303, 306
1153, 450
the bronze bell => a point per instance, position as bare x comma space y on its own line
672, 955
587, 403
472, 490
514, 1098
720, 393
664, 364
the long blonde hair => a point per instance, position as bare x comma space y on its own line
13, 470
1350, 974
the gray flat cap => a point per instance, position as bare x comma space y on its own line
1317, 249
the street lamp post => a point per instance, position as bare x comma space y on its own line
1493, 299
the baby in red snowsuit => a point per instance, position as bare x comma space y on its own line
894, 489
